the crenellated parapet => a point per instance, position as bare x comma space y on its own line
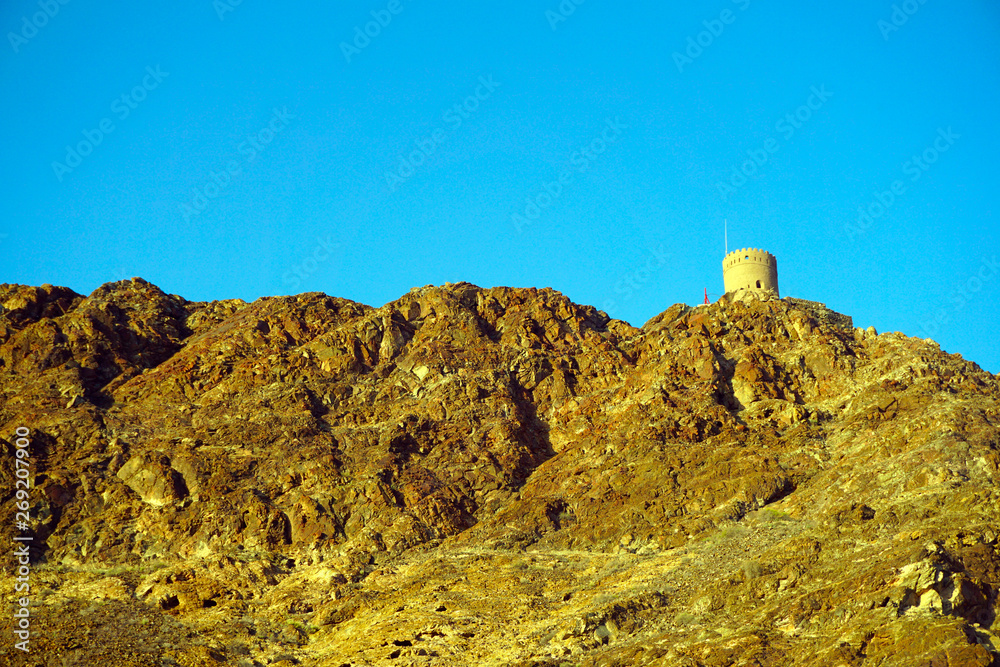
750, 268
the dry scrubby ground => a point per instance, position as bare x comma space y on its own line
498, 477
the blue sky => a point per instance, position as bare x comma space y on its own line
222, 150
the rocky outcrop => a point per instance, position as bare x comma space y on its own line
149, 474
496, 475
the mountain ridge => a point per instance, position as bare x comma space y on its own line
498, 473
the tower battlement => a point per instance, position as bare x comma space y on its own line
750, 268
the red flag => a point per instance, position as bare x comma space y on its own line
706, 295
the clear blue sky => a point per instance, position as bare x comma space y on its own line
250, 151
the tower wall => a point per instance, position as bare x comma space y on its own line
750, 268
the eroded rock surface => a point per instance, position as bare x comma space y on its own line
494, 476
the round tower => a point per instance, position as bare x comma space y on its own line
750, 268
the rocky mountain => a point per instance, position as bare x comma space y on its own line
471, 476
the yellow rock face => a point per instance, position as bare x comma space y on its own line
497, 477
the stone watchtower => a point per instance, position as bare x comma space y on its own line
750, 269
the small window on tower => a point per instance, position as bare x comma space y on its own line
758, 284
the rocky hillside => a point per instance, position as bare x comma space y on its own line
472, 476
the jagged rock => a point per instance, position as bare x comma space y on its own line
496, 475
149, 474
